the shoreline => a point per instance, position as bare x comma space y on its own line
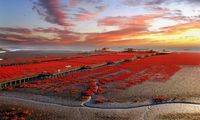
149, 112
129, 105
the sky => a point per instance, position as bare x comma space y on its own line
90, 24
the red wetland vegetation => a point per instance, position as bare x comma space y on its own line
118, 71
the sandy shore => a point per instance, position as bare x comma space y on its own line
183, 86
156, 112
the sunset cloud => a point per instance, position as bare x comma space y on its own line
75, 3
139, 22
40, 36
86, 9
51, 11
155, 2
15, 30
84, 14
97, 23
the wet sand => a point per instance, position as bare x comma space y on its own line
156, 112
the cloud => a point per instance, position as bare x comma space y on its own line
132, 29
155, 2
63, 37
86, 9
13, 39
139, 22
75, 3
16, 30
84, 14
143, 2
128, 42
51, 11
180, 10
51, 30
109, 37
39, 36
126, 36
181, 27
184, 16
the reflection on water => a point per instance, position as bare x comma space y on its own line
2, 51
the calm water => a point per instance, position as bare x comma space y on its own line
181, 50
2, 52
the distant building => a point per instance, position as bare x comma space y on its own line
135, 50
106, 49
103, 50
129, 49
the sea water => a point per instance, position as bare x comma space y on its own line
2, 52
